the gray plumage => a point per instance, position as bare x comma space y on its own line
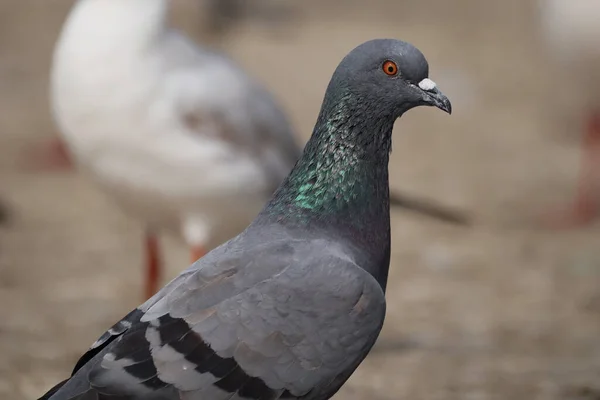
290, 307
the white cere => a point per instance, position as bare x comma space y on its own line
427, 84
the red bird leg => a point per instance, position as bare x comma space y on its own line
586, 206
587, 203
198, 252
153, 265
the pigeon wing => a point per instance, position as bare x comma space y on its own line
269, 323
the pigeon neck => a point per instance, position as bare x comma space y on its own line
340, 184
344, 168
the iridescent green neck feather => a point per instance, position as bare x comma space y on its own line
343, 172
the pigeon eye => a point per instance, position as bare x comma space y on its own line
390, 68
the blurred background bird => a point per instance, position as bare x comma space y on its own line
179, 136
219, 17
571, 33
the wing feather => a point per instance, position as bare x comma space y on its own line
286, 329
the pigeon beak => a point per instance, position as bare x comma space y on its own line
433, 96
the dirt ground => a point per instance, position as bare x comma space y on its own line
500, 310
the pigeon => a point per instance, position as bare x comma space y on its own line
291, 306
572, 35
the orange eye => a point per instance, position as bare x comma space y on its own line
390, 68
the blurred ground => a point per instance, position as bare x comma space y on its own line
501, 310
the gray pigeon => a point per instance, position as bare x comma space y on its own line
289, 308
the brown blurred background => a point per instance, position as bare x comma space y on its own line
500, 310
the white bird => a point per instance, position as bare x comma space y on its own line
179, 136
571, 30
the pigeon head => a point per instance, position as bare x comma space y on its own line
389, 77
342, 177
